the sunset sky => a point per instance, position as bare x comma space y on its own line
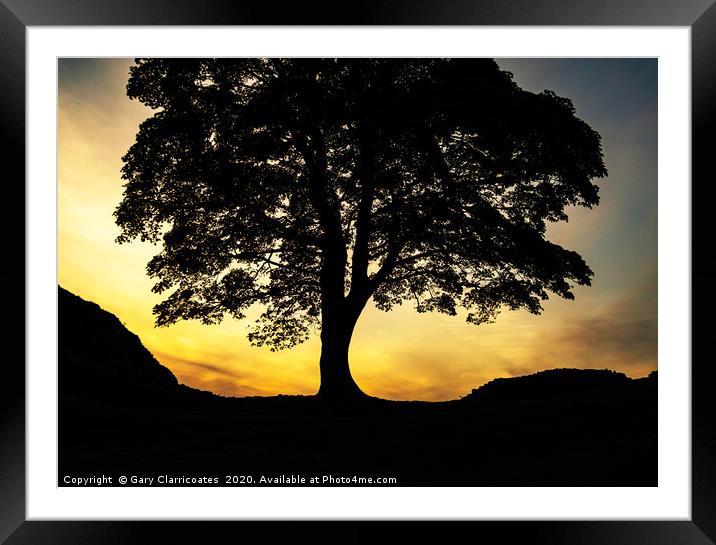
396, 355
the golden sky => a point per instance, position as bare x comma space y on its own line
401, 354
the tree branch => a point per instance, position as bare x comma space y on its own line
332, 242
314, 156
261, 255
360, 259
391, 260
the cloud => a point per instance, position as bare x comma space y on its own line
231, 376
214, 378
622, 335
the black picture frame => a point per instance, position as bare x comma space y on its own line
16, 15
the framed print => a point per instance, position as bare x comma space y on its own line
309, 177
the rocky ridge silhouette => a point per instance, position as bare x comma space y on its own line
100, 359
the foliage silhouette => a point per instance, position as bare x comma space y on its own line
311, 186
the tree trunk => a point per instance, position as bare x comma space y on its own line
337, 384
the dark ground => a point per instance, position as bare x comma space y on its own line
556, 428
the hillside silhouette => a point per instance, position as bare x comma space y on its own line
101, 360
122, 413
555, 383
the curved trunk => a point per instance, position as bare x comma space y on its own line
336, 380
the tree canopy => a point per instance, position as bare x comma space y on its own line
310, 186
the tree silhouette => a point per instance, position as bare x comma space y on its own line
310, 186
